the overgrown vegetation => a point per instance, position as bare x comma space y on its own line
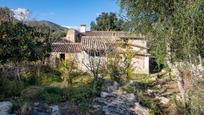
175, 32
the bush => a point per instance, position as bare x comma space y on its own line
151, 104
49, 70
17, 103
79, 95
10, 88
30, 93
196, 96
47, 79
29, 78
50, 95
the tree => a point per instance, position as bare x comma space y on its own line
107, 22
174, 28
119, 62
20, 43
66, 67
94, 66
6, 15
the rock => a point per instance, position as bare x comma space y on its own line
162, 81
5, 107
133, 83
40, 109
55, 110
110, 86
4, 113
115, 103
105, 94
153, 78
164, 71
178, 97
139, 110
24, 109
149, 91
130, 97
36, 103
116, 110
137, 84
158, 86
163, 100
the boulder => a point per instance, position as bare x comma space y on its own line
115, 103
55, 110
5, 107
40, 109
44, 109
163, 100
139, 110
106, 94
110, 86
4, 113
133, 83
116, 109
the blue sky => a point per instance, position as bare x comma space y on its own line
65, 12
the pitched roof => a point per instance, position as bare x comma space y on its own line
118, 34
95, 43
66, 47
63, 40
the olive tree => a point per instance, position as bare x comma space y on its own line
174, 28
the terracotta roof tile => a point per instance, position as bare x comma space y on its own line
113, 34
63, 40
95, 43
66, 47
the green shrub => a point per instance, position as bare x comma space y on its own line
128, 88
149, 103
79, 95
50, 95
29, 78
17, 103
30, 93
10, 88
47, 79
96, 86
49, 70
196, 96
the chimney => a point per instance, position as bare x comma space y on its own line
83, 28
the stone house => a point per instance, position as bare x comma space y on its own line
81, 45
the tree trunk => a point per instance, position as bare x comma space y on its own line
17, 73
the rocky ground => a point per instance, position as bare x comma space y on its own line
113, 100
5, 108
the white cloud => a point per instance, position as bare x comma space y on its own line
76, 27
71, 27
22, 14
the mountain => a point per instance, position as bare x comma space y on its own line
45, 23
55, 31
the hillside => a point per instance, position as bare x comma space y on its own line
45, 23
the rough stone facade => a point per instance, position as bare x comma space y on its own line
82, 45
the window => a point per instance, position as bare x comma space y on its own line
125, 42
94, 53
62, 56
